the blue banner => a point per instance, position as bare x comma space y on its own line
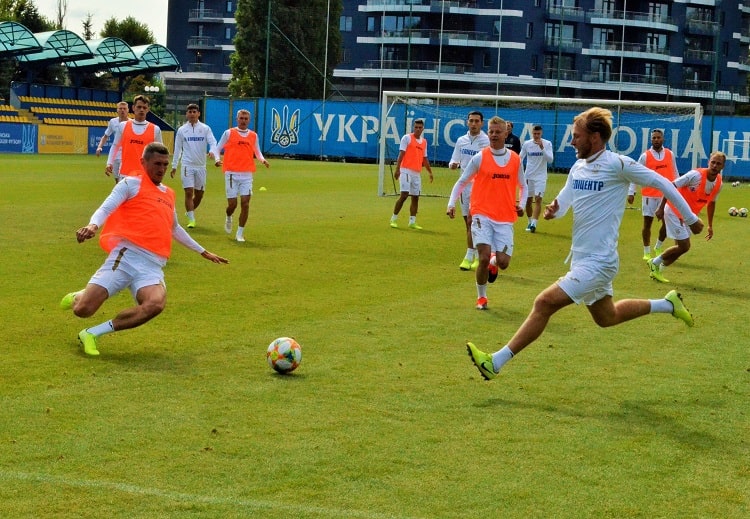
18, 138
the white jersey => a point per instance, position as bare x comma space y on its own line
112, 126
658, 155
139, 128
692, 179
191, 144
536, 158
596, 189
467, 146
123, 191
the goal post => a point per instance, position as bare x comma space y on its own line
445, 117
735, 149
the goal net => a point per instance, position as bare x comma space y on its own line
735, 149
445, 117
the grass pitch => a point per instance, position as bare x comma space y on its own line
386, 417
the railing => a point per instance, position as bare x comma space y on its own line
436, 33
565, 43
201, 41
431, 3
571, 13
601, 77
202, 14
433, 66
201, 67
695, 84
700, 55
563, 74
703, 26
631, 16
630, 47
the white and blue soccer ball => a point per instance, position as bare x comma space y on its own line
733, 211
743, 212
284, 355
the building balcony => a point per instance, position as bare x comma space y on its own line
572, 14
568, 45
743, 36
562, 74
205, 16
697, 84
429, 66
697, 25
201, 67
633, 19
632, 50
428, 36
745, 6
699, 56
379, 6
640, 79
201, 43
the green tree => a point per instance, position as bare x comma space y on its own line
129, 30
297, 47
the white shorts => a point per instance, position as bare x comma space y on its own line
676, 228
536, 187
238, 184
465, 199
498, 235
193, 178
410, 181
590, 278
116, 170
649, 205
125, 268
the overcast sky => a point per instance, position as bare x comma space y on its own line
150, 12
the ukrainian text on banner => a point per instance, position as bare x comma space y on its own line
63, 139
17, 138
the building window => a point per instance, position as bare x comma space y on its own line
229, 7
537, 3
725, 49
228, 33
346, 55
345, 24
371, 24
534, 62
486, 60
529, 30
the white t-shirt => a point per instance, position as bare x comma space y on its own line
112, 127
536, 158
191, 144
596, 189
467, 146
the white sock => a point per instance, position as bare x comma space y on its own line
229, 219
412, 219
661, 306
190, 215
101, 329
657, 261
647, 249
470, 253
500, 358
482, 290
394, 217
240, 231
658, 244
533, 221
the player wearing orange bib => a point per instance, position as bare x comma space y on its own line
131, 139
499, 186
412, 157
662, 161
240, 145
139, 223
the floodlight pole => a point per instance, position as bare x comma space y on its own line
265, 83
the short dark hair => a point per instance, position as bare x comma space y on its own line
193, 106
419, 121
537, 128
657, 130
142, 98
476, 112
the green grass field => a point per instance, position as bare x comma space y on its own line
386, 417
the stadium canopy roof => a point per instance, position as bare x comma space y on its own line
58, 46
16, 39
151, 58
108, 53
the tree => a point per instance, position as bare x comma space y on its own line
87, 24
61, 13
297, 48
129, 30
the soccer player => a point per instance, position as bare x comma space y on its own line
661, 160
140, 222
112, 127
512, 141
466, 147
499, 187
595, 189
412, 157
131, 139
241, 147
190, 147
538, 153
700, 187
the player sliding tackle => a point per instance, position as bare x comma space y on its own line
595, 189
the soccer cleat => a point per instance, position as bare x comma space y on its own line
481, 303
482, 360
191, 224
492, 270
532, 228
678, 307
475, 264
646, 256
88, 340
465, 265
657, 252
415, 226
67, 301
656, 274
528, 228
240, 238
394, 224
228, 225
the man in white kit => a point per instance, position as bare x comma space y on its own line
193, 140
112, 127
538, 153
131, 139
466, 147
595, 189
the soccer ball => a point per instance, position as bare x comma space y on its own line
735, 184
743, 212
733, 211
284, 355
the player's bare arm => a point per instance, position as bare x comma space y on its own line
84, 233
210, 256
550, 210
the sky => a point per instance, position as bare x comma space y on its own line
156, 11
